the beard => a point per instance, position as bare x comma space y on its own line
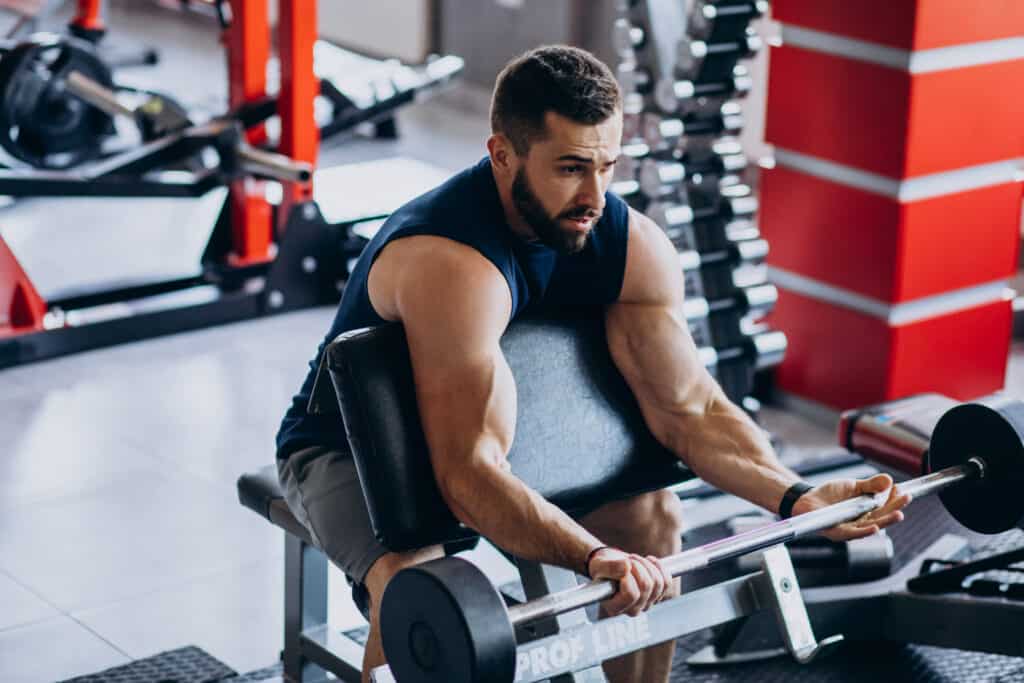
545, 226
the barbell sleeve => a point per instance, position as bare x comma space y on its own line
755, 539
273, 165
97, 95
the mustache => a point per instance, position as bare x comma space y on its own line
581, 212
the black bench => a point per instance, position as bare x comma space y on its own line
580, 441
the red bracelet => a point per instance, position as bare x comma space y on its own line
590, 556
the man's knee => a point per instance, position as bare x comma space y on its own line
656, 521
389, 564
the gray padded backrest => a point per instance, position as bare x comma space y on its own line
580, 439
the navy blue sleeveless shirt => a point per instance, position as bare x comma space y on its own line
467, 209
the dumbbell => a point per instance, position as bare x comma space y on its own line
703, 62
634, 78
673, 215
627, 37
755, 300
661, 132
659, 179
716, 322
759, 351
722, 22
737, 254
672, 96
860, 559
627, 169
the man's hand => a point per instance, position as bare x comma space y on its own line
643, 581
839, 490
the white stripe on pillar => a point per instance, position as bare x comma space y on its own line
893, 314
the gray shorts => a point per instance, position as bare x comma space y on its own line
323, 492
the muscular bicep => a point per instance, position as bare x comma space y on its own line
649, 338
454, 306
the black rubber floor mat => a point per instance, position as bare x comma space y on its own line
855, 662
184, 665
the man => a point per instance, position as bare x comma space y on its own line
532, 225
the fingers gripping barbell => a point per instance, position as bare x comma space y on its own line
444, 621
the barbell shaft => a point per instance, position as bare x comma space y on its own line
741, 544
97, 95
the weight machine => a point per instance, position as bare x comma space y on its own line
262, 257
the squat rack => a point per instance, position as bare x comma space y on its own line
261, 258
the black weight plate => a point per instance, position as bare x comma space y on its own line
993, 432
40, 122
443, 622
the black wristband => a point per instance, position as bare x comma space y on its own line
790, 497
590, 556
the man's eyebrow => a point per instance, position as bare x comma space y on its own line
582, 160
573, 157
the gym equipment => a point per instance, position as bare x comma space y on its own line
748, 251
669, 133
436, 626
660, 179
704, 62
87, 24
758, 351
723, 21
755, 300
39, 123
268, 252
822, 560
672, 216
673, 96
627, 37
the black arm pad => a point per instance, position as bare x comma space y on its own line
580, 438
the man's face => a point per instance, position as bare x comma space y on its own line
559, 186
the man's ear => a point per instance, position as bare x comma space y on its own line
503, 155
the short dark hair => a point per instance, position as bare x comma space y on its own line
559, 78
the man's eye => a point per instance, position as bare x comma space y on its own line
572, 169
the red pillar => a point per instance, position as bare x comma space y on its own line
894, 204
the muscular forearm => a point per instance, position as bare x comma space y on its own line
502, 508
725, 448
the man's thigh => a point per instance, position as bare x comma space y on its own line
323, 492
647, 524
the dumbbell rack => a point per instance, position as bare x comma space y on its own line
682, 76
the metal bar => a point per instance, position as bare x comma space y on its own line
332, 651
272, 165
95, 94
591, 644
741, 544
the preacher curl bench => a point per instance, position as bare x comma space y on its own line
580, 442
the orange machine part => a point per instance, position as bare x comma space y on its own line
89, 15
21, 307
247, 41
300, 137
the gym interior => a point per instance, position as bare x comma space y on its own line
187, 186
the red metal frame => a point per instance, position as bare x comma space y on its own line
89, 15
247, 40
300, 137
21, 307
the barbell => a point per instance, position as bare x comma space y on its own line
444, 621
